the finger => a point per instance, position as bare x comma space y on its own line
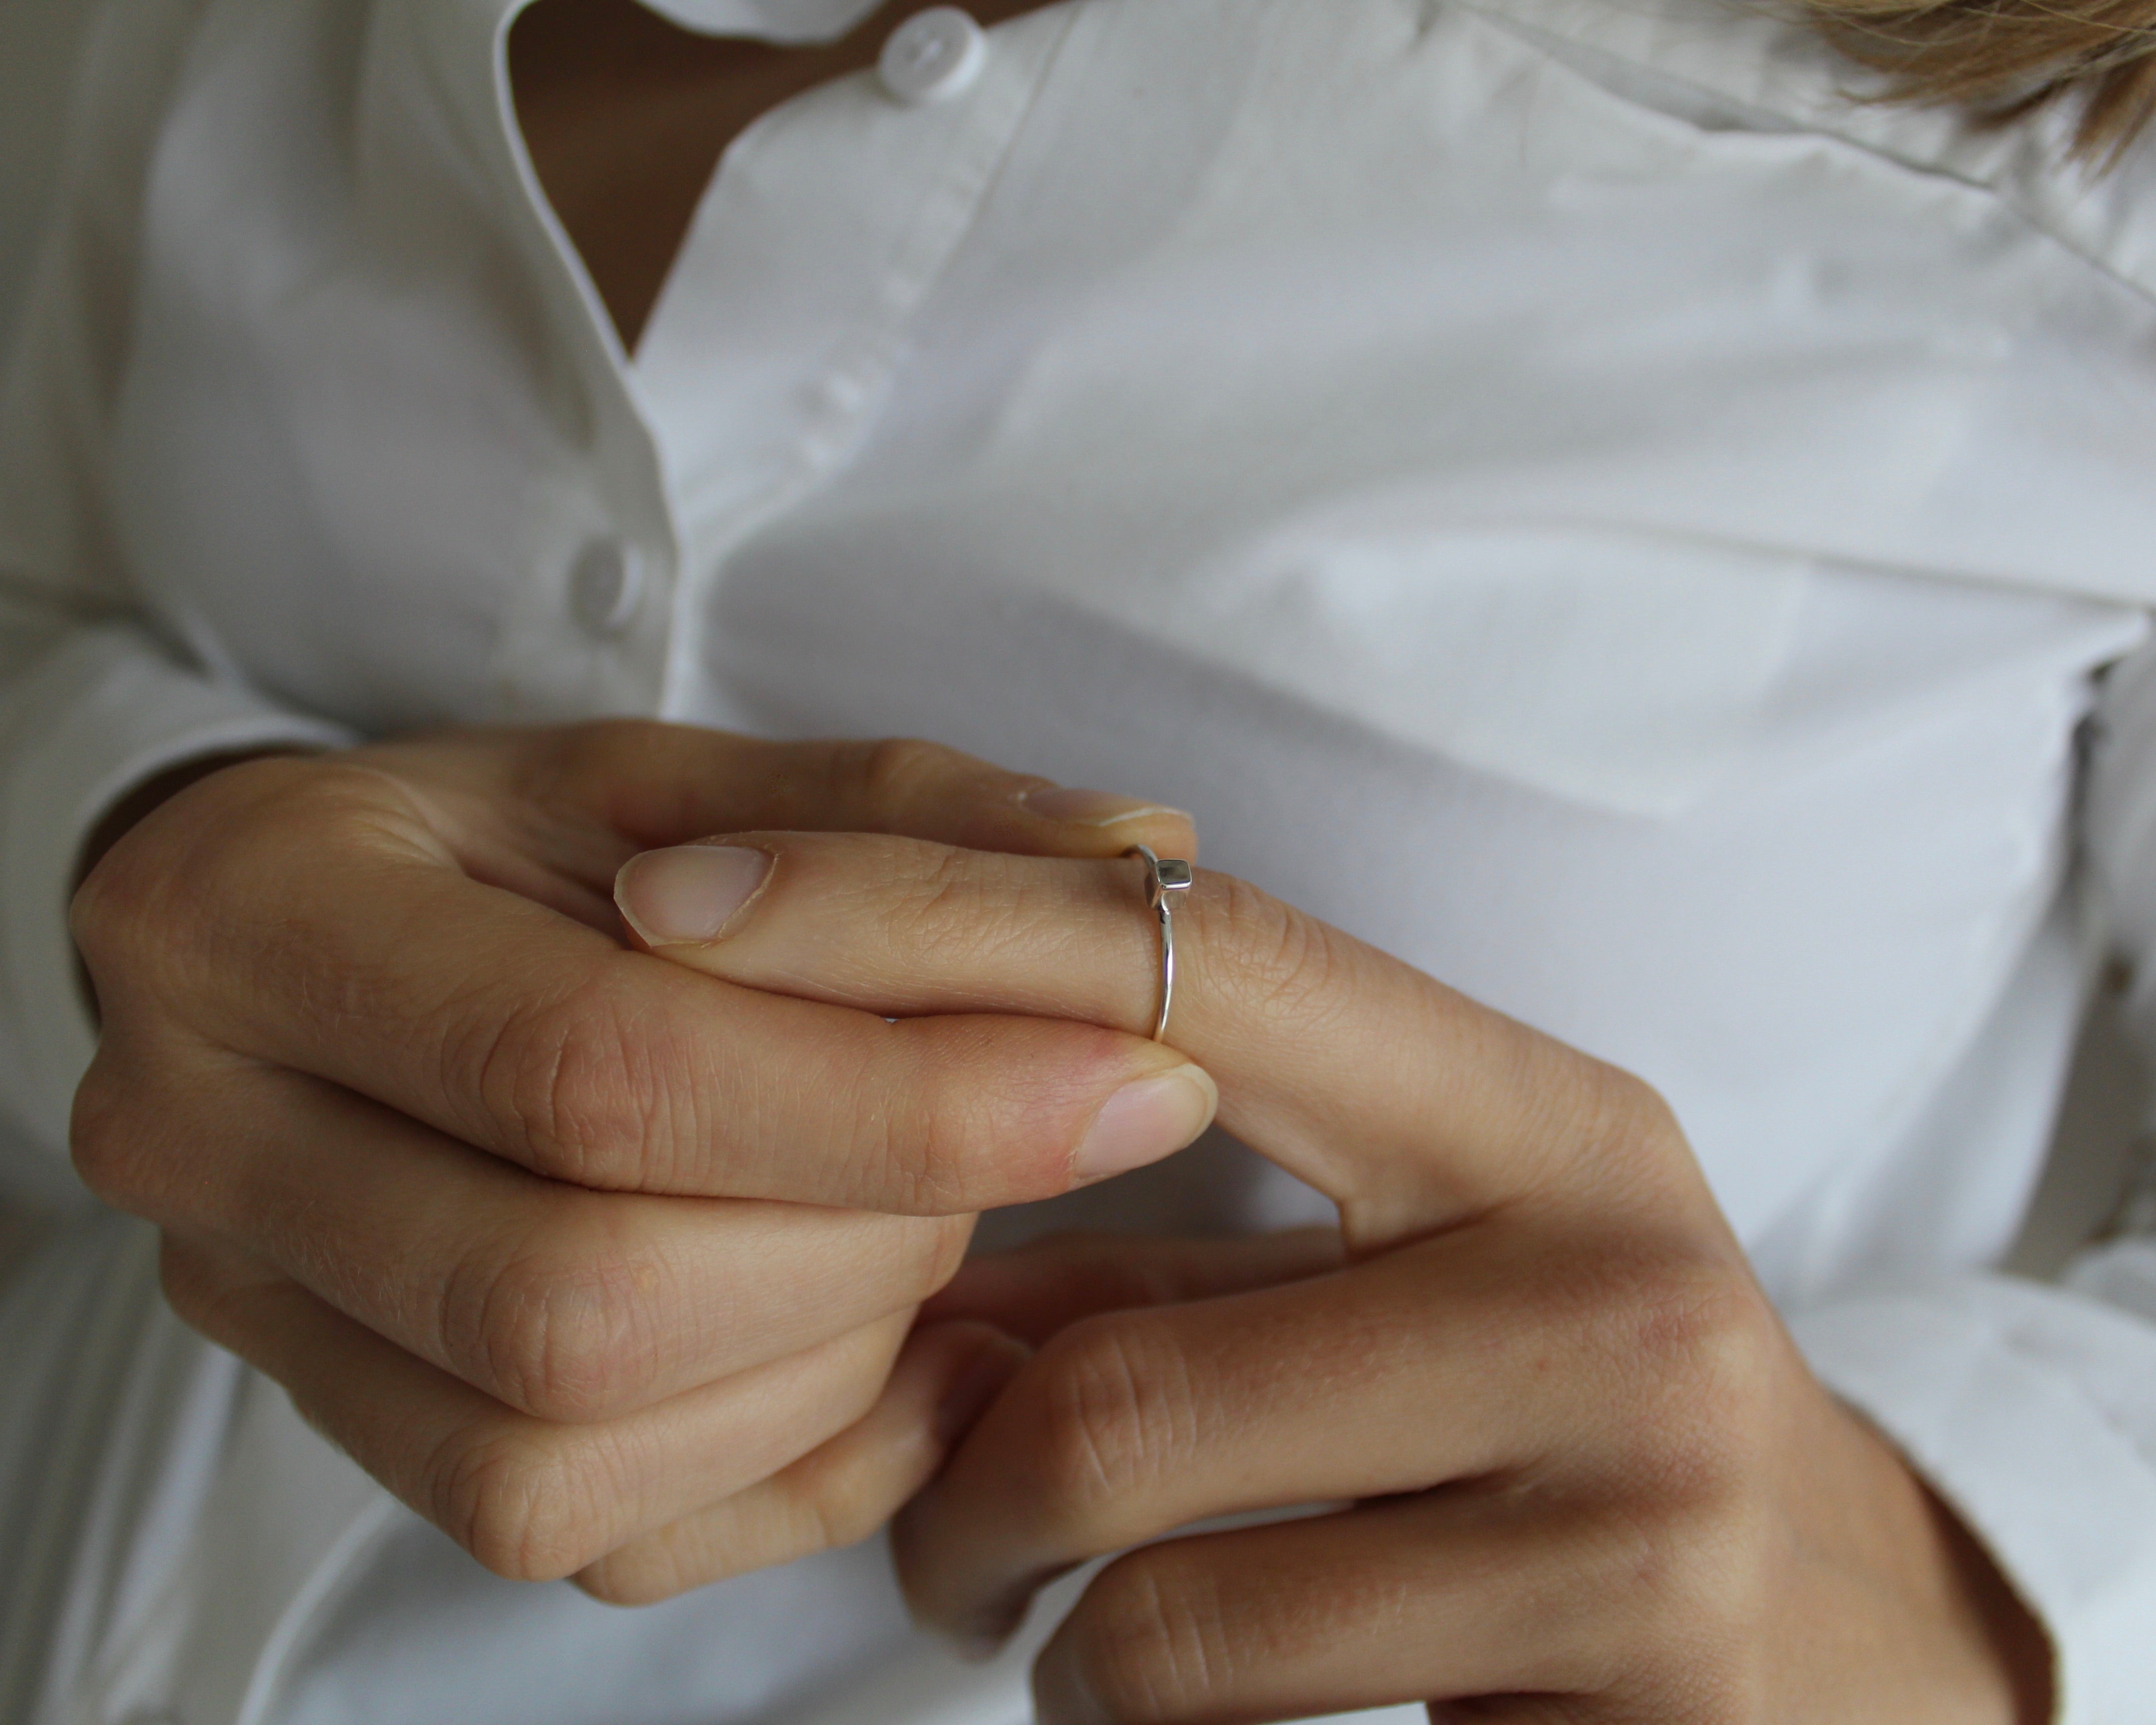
568, 1304
585, 796
838, 1494
1458, 1358
1475, 1109
1042, 1287
1458, 1596
531, 1500
504, 1024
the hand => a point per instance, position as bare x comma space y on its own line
1590, 1476
602, 1267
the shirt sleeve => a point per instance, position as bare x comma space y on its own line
92, 700
2031, 1406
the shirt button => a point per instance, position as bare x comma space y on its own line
604, 586
933, 56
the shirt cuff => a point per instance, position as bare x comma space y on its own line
103, 712
2033, 1412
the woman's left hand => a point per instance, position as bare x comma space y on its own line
1589, 1476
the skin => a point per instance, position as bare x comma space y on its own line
625, 115
613, 1262
563, 1245
1591, 1478
619, 1273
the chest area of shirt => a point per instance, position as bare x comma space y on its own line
1356, 357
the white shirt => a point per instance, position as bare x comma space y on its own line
1557, 487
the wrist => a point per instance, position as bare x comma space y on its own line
1944, 1613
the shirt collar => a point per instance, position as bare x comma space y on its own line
771, 20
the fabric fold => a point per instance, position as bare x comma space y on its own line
2033, 1412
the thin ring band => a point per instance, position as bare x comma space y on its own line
1165, 877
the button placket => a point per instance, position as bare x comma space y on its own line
767, 362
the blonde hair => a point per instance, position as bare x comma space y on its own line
2002, 60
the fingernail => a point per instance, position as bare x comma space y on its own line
966, 1399
1146, 1121
1088, 808
689, 893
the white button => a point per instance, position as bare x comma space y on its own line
604, 586
934, 55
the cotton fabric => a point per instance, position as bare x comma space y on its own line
1561, 488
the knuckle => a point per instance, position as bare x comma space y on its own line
1623, 1113
135, 891
923, 1156
128, 921
591, 747
893, 772
1618, 1129
564, 1331
1700, 1341
802, 1510
615, 760
526, 1504
573, 1084
979, 1126
948, 897
110, 904
1697, 1601
1283, 967
1149, 1639
236, 1304
179, 898
975, 901
133, 1132
328, 805
111, 1153
1682, 1656
1117, 1408
193, 1290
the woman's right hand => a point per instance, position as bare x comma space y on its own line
605, 1267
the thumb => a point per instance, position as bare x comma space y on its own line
1412, 1106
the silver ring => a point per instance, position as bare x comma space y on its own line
1165, 877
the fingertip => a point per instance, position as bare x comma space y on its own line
689, 895
985, 1361
1147, 1119
1090, 823
976, 1637
1074, 805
